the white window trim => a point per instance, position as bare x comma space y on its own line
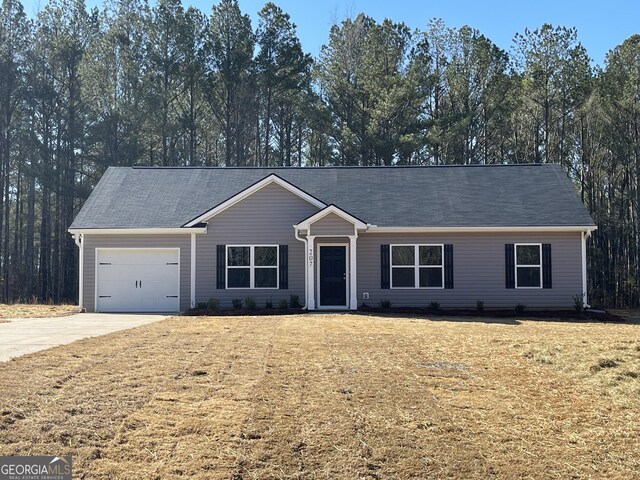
252, 267
515, 254
416, 265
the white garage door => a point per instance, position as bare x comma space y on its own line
138, 280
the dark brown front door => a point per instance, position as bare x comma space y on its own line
333, 276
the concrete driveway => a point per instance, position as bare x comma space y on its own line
27, 335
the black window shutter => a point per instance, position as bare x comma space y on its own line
284, 266
510, 265
221, 261
448, 266
385, 268
546, 265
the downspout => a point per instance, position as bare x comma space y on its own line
306, 266
79, 239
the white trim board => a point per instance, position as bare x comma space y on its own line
192, 272
268, 180
139, 231
79, 240
376, 229
369, 229
583, 251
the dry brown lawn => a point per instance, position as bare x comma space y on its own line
29, 310
333, 396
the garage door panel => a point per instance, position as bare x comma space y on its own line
137, 280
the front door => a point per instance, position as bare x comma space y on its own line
333, 276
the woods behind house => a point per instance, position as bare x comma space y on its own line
133, 83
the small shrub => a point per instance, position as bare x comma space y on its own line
294, 301
201, 305
385, 303
578, 302
213, 304
250, 303
520, 308
480, 305
268, 304
283, 304
236, 303
435, 306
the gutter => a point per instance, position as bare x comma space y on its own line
481, 229
139, 231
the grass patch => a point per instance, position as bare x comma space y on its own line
34, 310
332, 396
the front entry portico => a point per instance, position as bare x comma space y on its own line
331, 273
331, 237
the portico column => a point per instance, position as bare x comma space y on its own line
353, 274
311, 284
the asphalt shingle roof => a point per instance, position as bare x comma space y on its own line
442, 196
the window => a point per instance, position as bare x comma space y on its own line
252, 266
528, 265
417, 266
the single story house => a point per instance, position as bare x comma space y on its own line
165, 238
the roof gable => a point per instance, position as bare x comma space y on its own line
331, 210
256, 187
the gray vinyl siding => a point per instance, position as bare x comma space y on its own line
332, 224
264, 218
267, 218
183, 242
479, 270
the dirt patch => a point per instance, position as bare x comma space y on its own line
28, 310
333, 396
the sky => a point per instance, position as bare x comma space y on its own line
601, 24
